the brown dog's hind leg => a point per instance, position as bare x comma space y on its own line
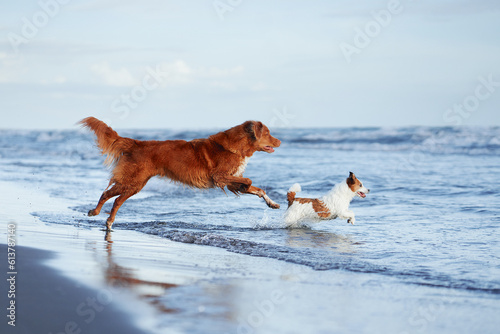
124, 195
116, 205
106, 195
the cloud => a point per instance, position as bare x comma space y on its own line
214, 72
464, 7
12, 69
181, 73
259, 86
59, 79
175, 73
119, 77
426, 8
98, 5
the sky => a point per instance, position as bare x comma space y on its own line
193, 64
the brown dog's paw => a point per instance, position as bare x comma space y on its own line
93, 213
274, 205
109, 223
270, 203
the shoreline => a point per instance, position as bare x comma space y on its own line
155, 285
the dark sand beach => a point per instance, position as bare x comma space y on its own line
48, 302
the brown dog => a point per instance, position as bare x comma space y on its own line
217, 161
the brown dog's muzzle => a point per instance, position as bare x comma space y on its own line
273, 142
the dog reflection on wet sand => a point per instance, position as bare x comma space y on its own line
121, 277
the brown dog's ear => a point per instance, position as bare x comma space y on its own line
258, 129
254, 129
352, 176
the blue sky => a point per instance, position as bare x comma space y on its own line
214, 64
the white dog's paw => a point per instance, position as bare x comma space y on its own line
351, 220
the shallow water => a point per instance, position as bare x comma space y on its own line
431, 219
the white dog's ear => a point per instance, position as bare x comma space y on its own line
351, 180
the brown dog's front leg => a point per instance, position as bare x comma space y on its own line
233, 183
244, 186
261, 193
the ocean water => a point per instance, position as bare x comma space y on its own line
432, 217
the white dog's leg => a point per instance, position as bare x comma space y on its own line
288, 217
294, 214
349, 215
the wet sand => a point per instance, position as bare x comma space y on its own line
47, 302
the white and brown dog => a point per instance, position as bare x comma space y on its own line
333, 205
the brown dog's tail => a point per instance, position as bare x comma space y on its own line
290, 195
107, 139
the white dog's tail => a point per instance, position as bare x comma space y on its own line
295, 188
290, 195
